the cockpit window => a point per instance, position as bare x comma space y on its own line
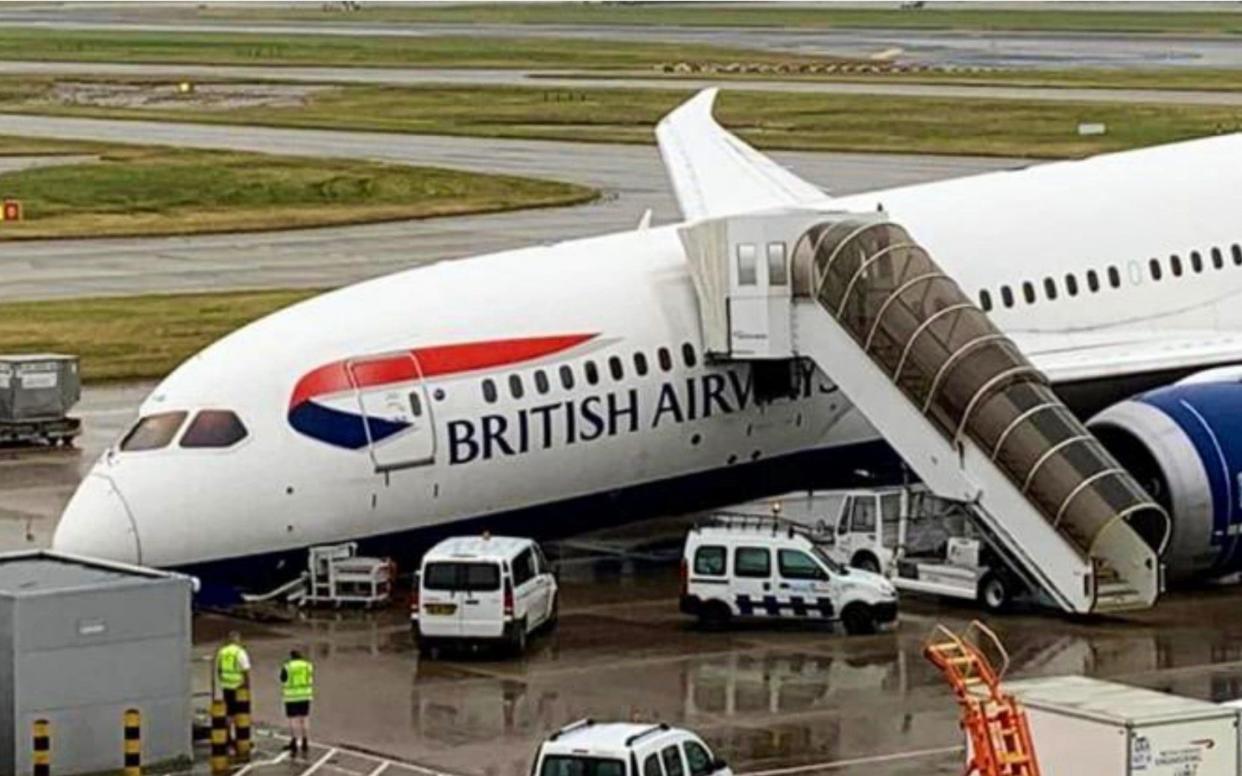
153, 431
214, 428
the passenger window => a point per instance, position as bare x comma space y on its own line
687, 354
1196, 261
1007, 296
214, 428
672, 761
1028, 292
1071, 284
489, 391
1218, 260
698, 759
541, 381
778, 275
746, 274
523, 568
515, 386
1136, 273
153, 432
985, 300
1175, 264
567, 378
798, 565
592, 372
1114, 277
1237, 253
665, 358
651, 766
416, 405
614, 368
640, 364
709, 561
1093, 281
1154, 266
1050, 288
862, 517
752, 562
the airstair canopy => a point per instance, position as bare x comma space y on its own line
955, 396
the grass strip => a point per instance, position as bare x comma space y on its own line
134, 337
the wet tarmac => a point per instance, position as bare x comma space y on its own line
774, 700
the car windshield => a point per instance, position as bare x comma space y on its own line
475, 577
833, 566
573, 765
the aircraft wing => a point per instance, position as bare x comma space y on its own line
1095, 355
714, 173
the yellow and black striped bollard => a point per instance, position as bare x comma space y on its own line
219, 738
42, 759
241, 721
133, 743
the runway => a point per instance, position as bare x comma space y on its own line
631, 177
548, 80
967, 48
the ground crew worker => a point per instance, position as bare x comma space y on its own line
297, 682
232, 673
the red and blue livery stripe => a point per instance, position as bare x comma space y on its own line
309, 415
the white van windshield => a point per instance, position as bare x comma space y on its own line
569, 765
474, 577
833, 566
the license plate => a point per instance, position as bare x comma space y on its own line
441, 608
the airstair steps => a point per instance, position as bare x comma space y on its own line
954, 396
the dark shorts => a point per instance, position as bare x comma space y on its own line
295, 709
230, 702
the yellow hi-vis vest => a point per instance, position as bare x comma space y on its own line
299, 684
229, 673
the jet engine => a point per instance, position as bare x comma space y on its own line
1183, 443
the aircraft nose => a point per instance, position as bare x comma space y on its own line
97, 523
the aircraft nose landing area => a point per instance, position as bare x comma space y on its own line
783, 699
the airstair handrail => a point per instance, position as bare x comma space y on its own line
862, 267
905, 352
897, 292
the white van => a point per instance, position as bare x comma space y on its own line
482, 589
625, 749
742, 566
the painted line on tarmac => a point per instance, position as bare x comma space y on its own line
836, 764
320, 762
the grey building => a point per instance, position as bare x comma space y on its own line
81, 641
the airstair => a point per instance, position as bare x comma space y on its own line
1000, 738
974, 419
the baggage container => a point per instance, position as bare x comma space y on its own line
1089, 727
36, 393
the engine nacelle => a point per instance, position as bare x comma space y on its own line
1183, 443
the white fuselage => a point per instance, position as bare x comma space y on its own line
282, 488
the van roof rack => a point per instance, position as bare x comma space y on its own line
572, 726
661, 727
749, 522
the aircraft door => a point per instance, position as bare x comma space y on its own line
397, 415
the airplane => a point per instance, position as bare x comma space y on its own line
554, 389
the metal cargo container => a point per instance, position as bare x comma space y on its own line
36, 393
1089, 727
83, 641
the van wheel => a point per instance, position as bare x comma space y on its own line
715, 615
995, 593
517, 642
865, 561
428, 649
858, 620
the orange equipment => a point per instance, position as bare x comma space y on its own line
1000, 740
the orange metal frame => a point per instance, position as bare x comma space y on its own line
1000, 739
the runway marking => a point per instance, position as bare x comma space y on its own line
320, 762
380, 769
836, 764
277, 760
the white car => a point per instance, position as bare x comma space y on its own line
588, 748
741, 566
482, 589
